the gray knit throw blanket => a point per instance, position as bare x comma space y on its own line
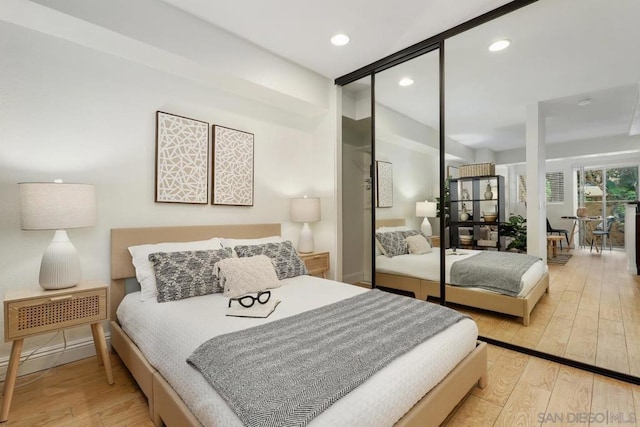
496, 271
286, 372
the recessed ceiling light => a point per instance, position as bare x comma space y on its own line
584, 101
406, 81
340, 39
499, 45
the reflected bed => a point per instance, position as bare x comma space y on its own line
420, 275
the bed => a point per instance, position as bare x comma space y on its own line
425, 282
168, 401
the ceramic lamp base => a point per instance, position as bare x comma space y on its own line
305, 242
426, 227
60, 267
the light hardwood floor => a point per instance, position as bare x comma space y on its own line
77, 394
591, 314
527, 391
521, 391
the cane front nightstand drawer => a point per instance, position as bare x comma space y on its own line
317, 263
29, 312
60, 310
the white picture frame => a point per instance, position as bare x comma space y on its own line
384, 184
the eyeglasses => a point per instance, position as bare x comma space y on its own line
248, 300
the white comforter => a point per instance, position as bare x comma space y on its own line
427, 267
167, 333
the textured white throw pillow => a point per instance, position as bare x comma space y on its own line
418, 245
241, 276
144, 268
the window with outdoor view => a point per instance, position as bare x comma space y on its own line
554, 187
604, 192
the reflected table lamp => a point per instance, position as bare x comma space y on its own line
58, 206
305, 210
426, 210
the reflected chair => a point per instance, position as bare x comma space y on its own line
559, 232
603, 229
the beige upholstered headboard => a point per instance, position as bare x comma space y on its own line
121, 238
393, 222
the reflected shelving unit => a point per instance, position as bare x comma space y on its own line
473, 201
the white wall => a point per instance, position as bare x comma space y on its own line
69, 111
414, 175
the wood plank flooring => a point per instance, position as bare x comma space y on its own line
521, 391
591, 314
527, 391
77, 394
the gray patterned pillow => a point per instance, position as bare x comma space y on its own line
284, 256
186, 274
393, 243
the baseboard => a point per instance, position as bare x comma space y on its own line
46, 356
353, 277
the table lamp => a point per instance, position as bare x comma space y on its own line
426, 210
305, 210
58, 206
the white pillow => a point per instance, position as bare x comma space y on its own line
418, 245
144, 268
241, 276
232, 243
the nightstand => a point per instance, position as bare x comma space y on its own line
435, 241
30, 312
317, 263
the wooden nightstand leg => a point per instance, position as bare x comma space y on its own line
10, 379
96, 340
101, 349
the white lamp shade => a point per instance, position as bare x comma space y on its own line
426, 209
305, 209
56, 206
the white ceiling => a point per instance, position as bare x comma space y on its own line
301, 30
561, 51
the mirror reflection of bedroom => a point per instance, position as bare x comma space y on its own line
407, 154
357, 183
573, 121
555, 142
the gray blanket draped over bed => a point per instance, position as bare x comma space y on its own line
496, 271
288, 371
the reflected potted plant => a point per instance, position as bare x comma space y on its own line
444, 205
516, 229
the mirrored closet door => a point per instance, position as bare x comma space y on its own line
357, 182
573, 64
407, 175
563, 96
